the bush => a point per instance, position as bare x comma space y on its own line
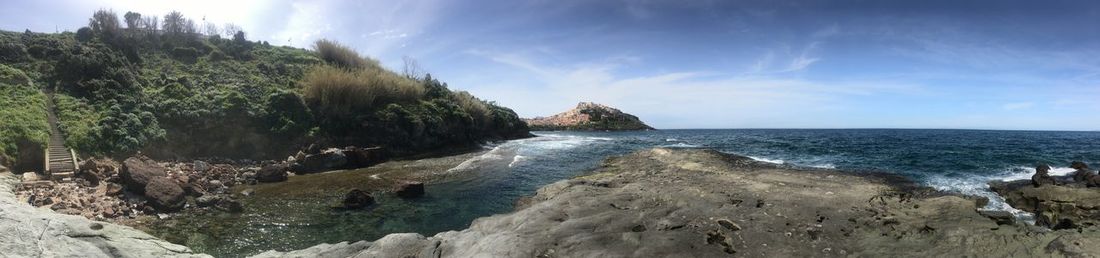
341, 92
186, 54
23, 112
479, 112
342, 56
84, 34
289, 115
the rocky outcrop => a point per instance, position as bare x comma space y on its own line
315, 161
1055, 206
701, 203
588, 116
31, 232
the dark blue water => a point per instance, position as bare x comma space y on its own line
953, 160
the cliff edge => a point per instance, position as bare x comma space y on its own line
588, 116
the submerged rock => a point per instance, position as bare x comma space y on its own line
355, 199
410, 189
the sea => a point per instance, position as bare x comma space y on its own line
959, 161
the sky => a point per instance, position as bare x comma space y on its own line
703, 64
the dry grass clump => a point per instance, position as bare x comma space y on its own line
343, 91
343, 56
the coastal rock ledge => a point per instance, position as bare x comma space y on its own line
703, 203
30, 232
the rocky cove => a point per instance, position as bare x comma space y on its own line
653, 202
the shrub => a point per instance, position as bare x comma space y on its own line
84, 34
23, 112
288, 114
477, 109
341, 92
186, 54
340, 55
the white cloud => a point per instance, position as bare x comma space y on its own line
679, 99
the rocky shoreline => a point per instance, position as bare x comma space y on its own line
702, 203
692, 203
32, 232
139, 187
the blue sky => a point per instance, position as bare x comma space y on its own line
706, 64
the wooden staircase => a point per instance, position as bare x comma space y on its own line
61, 162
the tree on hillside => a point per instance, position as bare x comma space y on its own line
105, 24
412, 68
231, 29
174, 23
151, 24
133, 20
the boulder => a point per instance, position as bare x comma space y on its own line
164, 195
330, 159
410, 189
272, 173
31, 177
363, 157
137, 172
355, 199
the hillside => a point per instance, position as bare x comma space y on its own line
159, 86
588, 116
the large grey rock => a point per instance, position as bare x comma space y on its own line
31, 232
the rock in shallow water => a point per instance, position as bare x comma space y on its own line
355, 199
410, 189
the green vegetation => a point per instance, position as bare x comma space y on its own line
171, 88
23, 114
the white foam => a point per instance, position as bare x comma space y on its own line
494, 154
825, 166
681, 145
516, 160
775, 161
671, 140
979, 186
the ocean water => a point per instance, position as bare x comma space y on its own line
959, 161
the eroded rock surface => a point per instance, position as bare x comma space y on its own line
700, 203
31, 232
1055, 206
